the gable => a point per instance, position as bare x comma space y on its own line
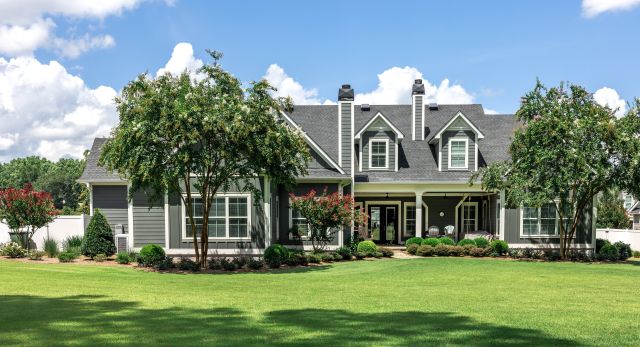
379, 123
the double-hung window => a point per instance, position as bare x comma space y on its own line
378, 154
228, 217
469, 216
540, 221
628, 201
458, 154
410, 219
298, 224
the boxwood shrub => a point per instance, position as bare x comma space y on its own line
431, 241
425, 251
344, 252
123, 258
386, 252
413, 241
98, 238
447, 241
499, 247
481, 242
367, 247
624, 250
276, 255
609, 252
465, 242
412, 248
67, 256
151, 255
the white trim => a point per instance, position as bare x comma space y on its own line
166, 220
361, 159
304, 237
466, 153
440, 155
396, 155
424, 211
267, 210
90, 188
399, 134
340, 133
424, 110
485, 215
459, 115
386, 155
470, 204
397, 203
183, 233
457, 231
413, 117
502, 214
556, 235
549, 245
130, 218
476, 156
314, 145
212, 252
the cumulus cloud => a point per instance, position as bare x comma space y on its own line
609, 97
182, 58
48, 111
593, 8
27, 25
287, 86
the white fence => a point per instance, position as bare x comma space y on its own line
61, 228
631, 237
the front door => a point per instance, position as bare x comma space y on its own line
383, 224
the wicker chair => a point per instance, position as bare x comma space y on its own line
434, 231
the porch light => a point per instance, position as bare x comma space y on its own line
441, 213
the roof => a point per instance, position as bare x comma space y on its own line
93, 172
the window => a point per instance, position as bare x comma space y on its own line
378, 154
540, 221
298, 223
409, 219
458, 151
498, 217
469, 216
628, 201
228, 217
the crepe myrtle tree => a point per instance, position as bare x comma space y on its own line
326, 214
568, 150
197, 137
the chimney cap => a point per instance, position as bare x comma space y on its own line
345, 93
418, 87
433, 106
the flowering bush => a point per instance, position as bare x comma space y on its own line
326, 214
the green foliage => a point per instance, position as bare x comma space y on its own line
67, 256
609, 252
276, 255
481, 242
431, 241
367, 247
624, 250
228, 265
412, 248
611, 211
360, 255
314, 258
636, 254
151, 255
386, 252
345, 252
255, 264
98, 238
186, 264
479, 252
425, 251
442, 250
600, 243
36, 255
50, 247
456, 251
499, 247
100, 257
465, 242
13, 250
466, 249
164, 264
446, 241
326, 257
123, 258
413, 240
72, 241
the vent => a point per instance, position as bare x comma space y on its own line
122, 243
365, 107
433, 106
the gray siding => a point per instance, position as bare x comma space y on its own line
148, 222
345, 137
460, 134
417, 109
317, 162
112, 202
389, 135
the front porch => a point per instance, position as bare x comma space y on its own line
395, 217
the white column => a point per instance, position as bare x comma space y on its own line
419, 214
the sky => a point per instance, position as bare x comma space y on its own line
62, 62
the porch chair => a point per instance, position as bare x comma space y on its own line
448, 230
434, 231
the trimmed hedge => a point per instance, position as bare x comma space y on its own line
446, 241
98, 239
367, 247
276, 255
413, 241
465, 242
425, 251
431, 241
151, 255
412, 248
499, 247
481, 242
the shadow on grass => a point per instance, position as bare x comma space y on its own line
95, 320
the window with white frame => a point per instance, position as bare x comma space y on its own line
628, 201
378, 154
409, 219
458, 154
540, 221
228, 217
470, 216
298, 223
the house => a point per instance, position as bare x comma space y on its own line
408, 166
632, 206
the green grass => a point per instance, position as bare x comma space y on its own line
431, 301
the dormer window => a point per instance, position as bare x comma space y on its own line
458, 154
379, 154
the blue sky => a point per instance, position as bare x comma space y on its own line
491, 52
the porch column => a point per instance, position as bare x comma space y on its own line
419, 214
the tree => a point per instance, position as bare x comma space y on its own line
61, 181
98, 238
20, 171
568, 150
326, 214
178, 134
611, 211
26, 210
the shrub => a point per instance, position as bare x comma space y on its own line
425, 251
240, 261
386, 252
360, 255
50, 247
515, 253
367, 247
228, 265
442, 250
336, 256
481, 242
624, 250
609, 252
300, 258
36, 255
123, 258
600, 243
13, 250
186, 264
214, 264
164, 264
551, 255
431, 241
100, 258
413, 241
98, 237
67, 256
499, 247
447, 241
636, 254
465, 242
72, 241
456, 251
151, 255
326, 257
276, 255
412, 248
314, 258
377, 254
478, 252
255, 264
575, 255
466, 249
75, 250
344, 252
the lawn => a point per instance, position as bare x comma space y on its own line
441, 301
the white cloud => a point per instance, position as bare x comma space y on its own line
182, 58
593, 8
26, 25
394, 87
47, 111
609, 97
490, 111
287, 86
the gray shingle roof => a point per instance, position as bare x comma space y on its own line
93, 172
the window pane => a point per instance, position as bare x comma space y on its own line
238, 207
238, 227
458, 153
196, 205
530, 212
410, 221
216, 227
378, 154
530, 227
189, 230
548, 226
217, 208
548, 211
